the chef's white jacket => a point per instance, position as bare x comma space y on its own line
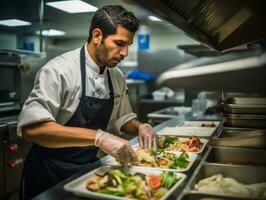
57, 90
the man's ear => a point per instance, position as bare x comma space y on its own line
97, 36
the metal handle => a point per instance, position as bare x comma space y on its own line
13, 147
15, 163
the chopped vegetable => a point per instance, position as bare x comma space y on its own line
166, 141
193, 144
113, 191
160, 192
163, 159
132, 186
181, 161
169, 179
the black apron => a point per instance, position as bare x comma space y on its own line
45, 167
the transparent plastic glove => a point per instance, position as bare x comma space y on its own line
148, 139
116, 147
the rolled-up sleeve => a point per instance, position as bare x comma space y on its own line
44, 100
125, 110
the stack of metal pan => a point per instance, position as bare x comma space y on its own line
245, 112
244, 123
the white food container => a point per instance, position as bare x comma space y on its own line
78, 186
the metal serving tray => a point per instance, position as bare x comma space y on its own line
246, 100
243, 174
236, 156
193, 196
78, 186
254, 121
182, 139
250, 139
170, 112
244, 105
192, 158
187, 131
233, 131
199, 124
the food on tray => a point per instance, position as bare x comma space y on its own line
193, 144
137, 186
223, 185
208, 125
162, 159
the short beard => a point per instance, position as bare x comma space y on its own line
101, 56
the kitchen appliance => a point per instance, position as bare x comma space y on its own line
13, 150
10, 87
2, 176
231, 73
222, 26
17, 70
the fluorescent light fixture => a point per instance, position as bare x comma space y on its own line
52, 32
14, 22
153, 18
73, 6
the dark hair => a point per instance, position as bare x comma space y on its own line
107, 18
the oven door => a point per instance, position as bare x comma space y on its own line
2, 179
15, 150
10, 87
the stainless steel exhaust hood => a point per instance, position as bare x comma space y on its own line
219, 24
225, 73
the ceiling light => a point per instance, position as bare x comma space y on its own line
51, 32
153, 18
73, 6
14, 22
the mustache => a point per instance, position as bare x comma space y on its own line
121, 58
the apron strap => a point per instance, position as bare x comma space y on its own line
83, 70
83, 75
111, 93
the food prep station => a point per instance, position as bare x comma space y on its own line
14, 89
245, 163
236, 148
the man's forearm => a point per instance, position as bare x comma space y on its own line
53, 135
131, 127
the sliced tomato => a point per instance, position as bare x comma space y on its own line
153, 181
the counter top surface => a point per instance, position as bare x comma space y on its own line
136, 82
57, 192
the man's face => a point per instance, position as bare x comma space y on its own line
114, 48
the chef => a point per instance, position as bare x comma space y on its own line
79, 103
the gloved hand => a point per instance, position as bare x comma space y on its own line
147, 137
116, 147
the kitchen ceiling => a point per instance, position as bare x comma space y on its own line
75, 25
